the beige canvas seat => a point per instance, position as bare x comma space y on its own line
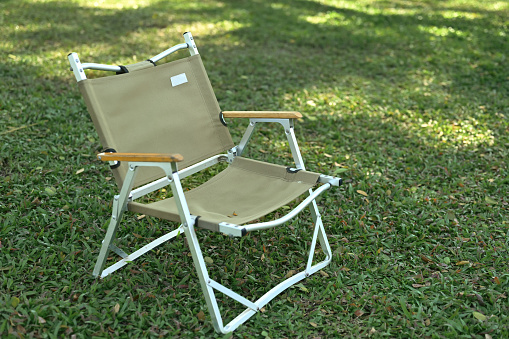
161, 123
245, 191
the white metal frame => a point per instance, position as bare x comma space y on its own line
79, 69
173, 177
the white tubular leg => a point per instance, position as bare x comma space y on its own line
203, 276
119, 205
194, 246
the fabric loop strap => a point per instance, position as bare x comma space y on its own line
123, 70
293, 170
221, 118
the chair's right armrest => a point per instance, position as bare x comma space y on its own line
140, 157
262, 114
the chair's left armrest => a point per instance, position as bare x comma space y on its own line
262, 114
140, 157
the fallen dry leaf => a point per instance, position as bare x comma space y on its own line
418, 285
358, 313
324, 274
425, 259
290, 273
362, 193
201, 316
463, 262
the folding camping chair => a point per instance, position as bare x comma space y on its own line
152, 118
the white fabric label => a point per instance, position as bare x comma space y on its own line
178, 79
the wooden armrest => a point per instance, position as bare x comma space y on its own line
262, 114
141, 157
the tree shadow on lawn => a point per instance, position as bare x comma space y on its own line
328, 45
368, 46
434, 5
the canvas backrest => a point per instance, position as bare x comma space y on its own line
170, 108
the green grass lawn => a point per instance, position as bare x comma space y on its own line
408, 101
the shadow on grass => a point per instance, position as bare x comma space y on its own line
303, 43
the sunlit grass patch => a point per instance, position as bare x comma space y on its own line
467, 132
